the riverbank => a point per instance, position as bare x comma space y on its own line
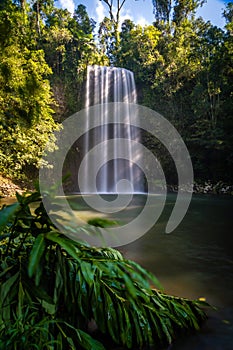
218, 188
207, 188
8, 187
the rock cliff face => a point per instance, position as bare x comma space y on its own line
9, 187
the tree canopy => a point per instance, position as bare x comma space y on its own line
182, 65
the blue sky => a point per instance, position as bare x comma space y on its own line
141, 11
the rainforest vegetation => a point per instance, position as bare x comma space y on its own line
182, 66
56, 293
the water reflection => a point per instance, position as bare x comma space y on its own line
195, 261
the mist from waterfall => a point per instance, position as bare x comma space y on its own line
105, 87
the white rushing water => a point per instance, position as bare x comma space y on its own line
104, 88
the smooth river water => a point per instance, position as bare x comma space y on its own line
196, 260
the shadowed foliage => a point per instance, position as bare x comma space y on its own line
53, 288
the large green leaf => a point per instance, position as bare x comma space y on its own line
8, 294
6, 214
88, 271
89, 343
21, 295
7, 287
37, 251
64, 243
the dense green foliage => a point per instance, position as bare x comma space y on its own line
25, 96
183, 69
43, 55
182, 65
53, 288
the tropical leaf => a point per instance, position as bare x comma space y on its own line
64, 243
88, 271
6, 213
6, 289
37, 251
89, 343
101, 222
21, 295
74, 283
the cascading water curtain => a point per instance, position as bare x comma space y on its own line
105, 87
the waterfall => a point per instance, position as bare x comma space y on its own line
104, 87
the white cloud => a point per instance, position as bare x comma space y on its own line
212, 11
100, 11
125, 14
141, 21
68, 4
